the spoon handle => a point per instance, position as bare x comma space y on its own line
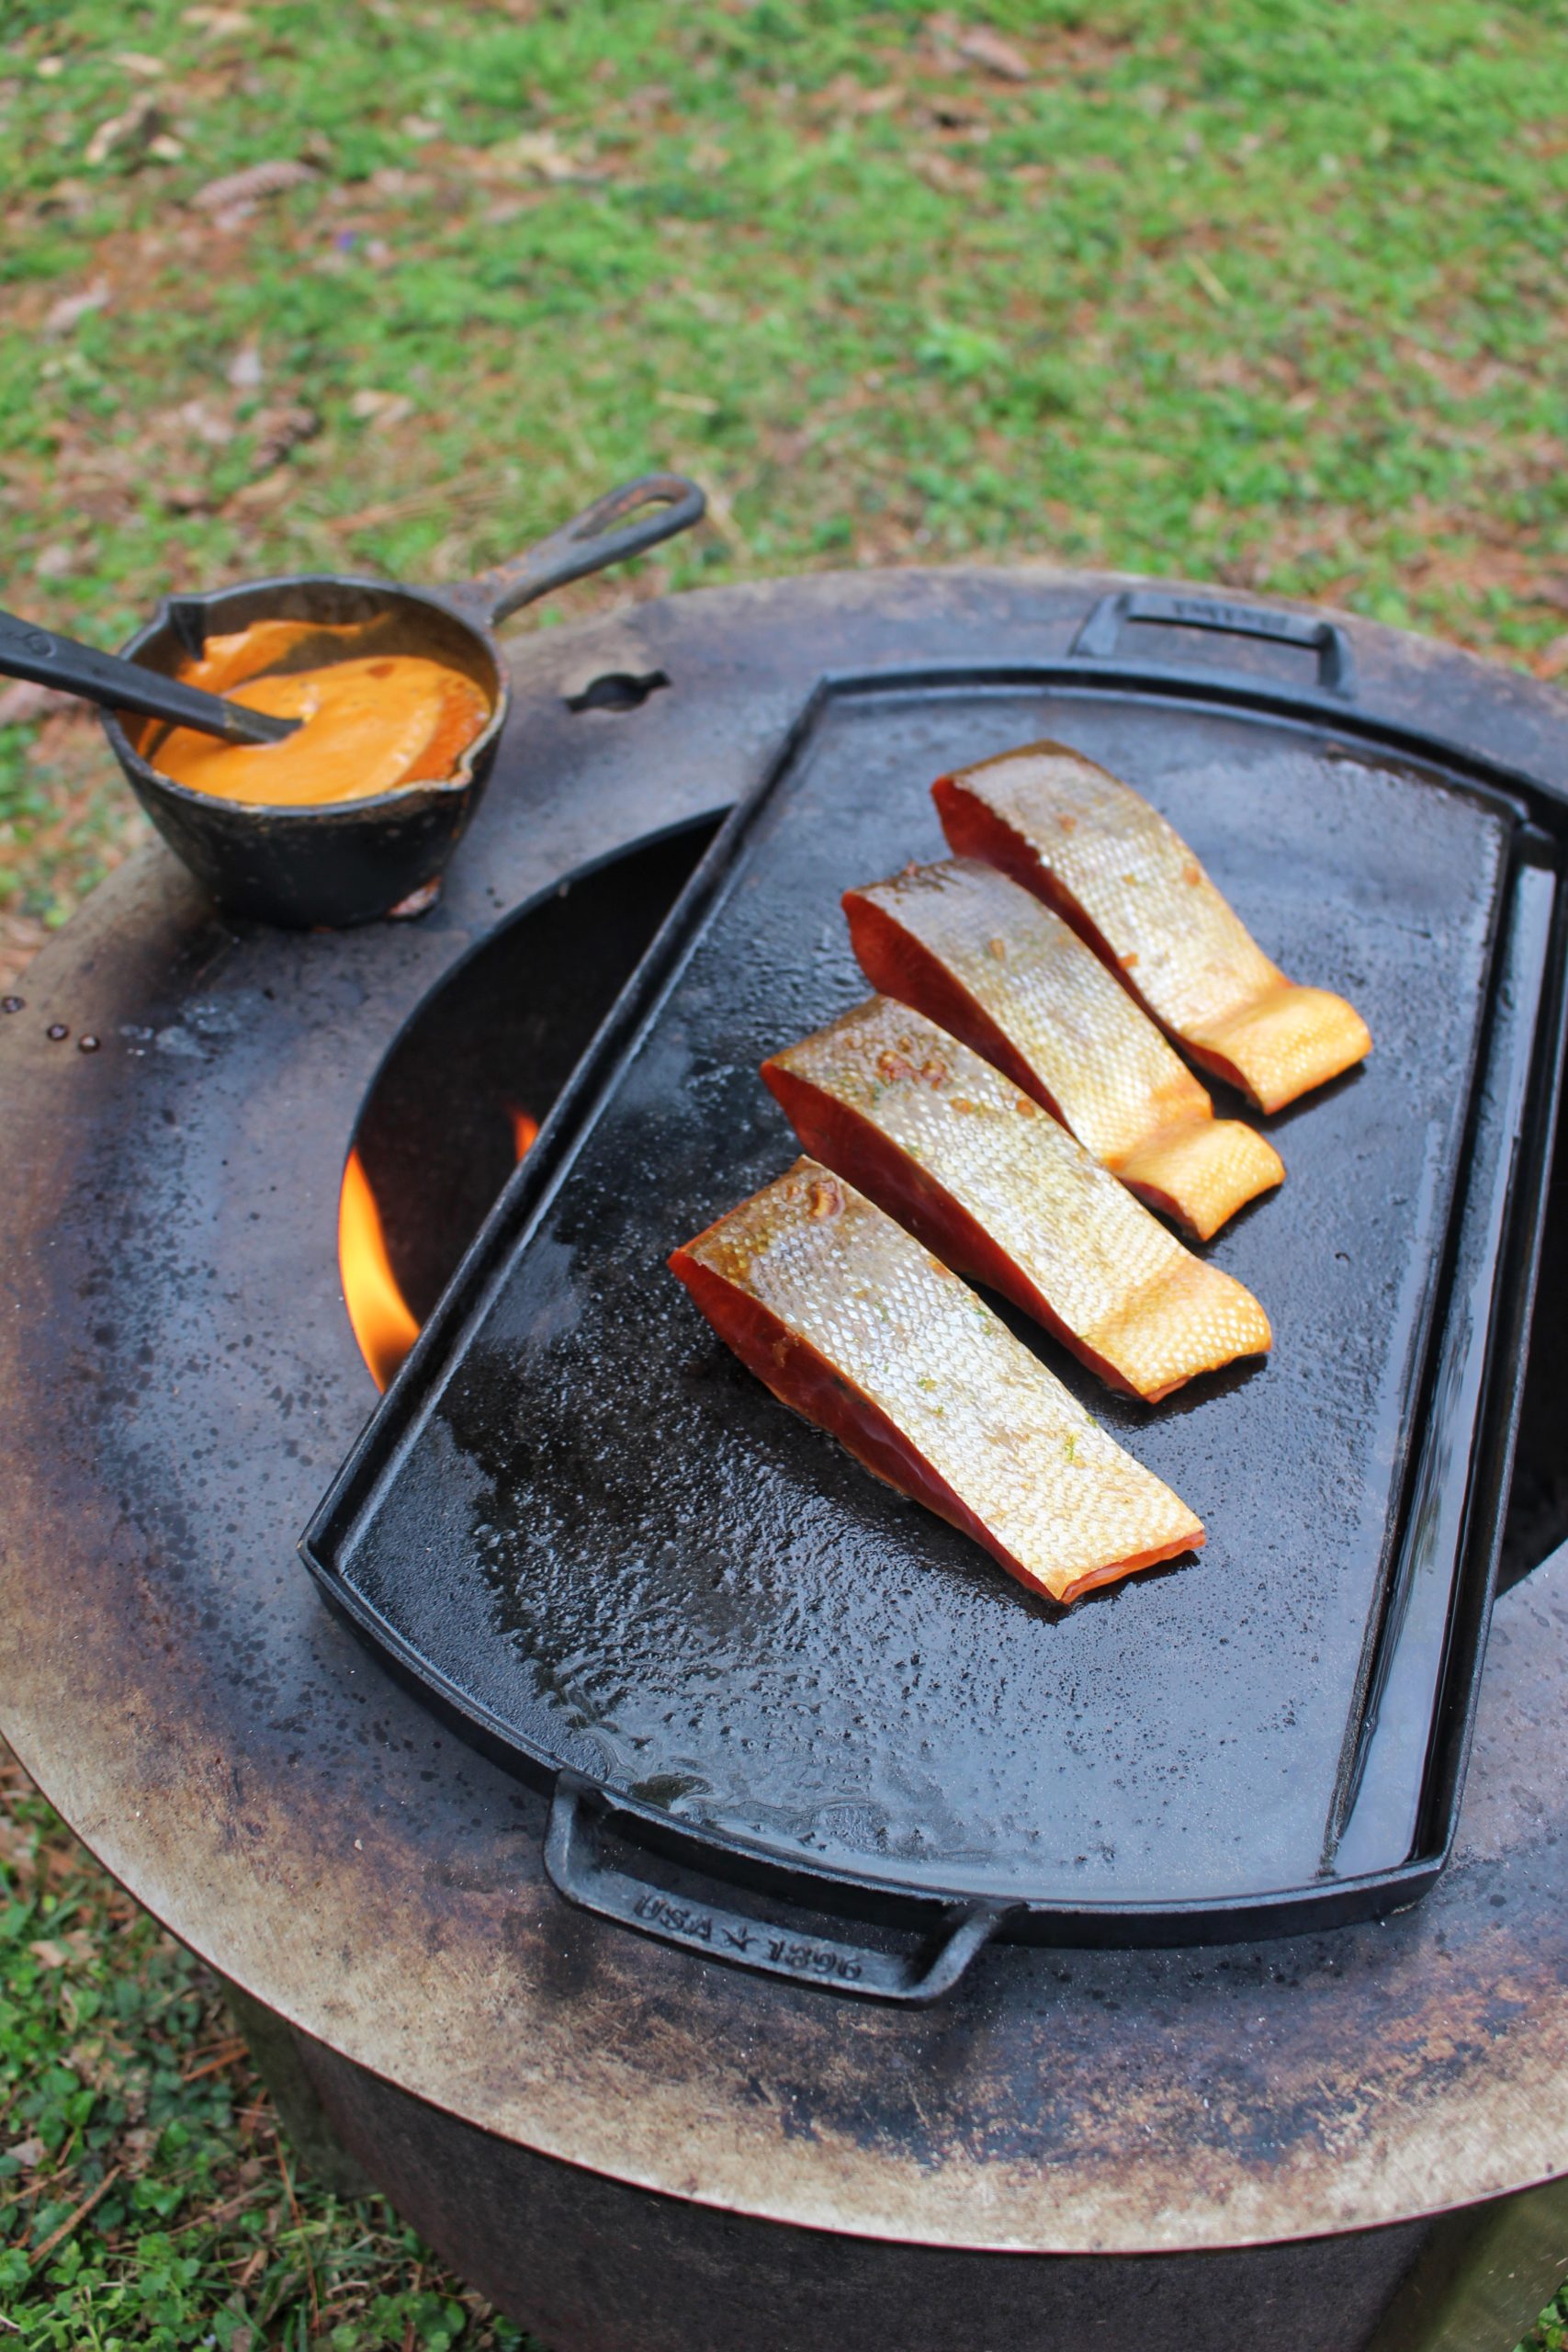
29, 651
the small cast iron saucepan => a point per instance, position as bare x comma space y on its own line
346, 862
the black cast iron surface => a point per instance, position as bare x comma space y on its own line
578, 1516
179, 1381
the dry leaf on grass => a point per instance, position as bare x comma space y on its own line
199, 420
265, 491
540, 154
695, 403
133, 131
241, 192
953, 178
983, 47
63, 315
846, 94
279, 430
371, 407
137, 2146
22, 704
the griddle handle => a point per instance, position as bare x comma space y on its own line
1100, 635
578, 1868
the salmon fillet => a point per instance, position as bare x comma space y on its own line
851, 1323
978, 954
984, 1177
1094, 849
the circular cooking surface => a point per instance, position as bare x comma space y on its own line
180, 1383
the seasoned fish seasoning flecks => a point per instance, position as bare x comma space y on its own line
853, 1323
990, 1181
979, 954
1095, 850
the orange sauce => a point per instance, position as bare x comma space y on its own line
369, 722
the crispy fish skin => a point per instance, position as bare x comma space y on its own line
854, 1326
975, 952
1096, 851
984, 1177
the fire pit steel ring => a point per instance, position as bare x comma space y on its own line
625, 2143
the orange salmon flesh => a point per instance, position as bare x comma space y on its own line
853, 1323
1093, 849
978, 955
990, 1183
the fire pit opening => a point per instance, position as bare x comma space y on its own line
460, 1096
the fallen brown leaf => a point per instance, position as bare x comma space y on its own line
63, 315
998, 56
279, 430
197, 417
986, 47
24, 702
240, 191
137, 2146
255, 497
540, 154
371, 407
135, 128
951, 177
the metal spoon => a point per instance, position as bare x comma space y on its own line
50, 659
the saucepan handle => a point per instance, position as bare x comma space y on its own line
580, 1869
600, 535
1100, 634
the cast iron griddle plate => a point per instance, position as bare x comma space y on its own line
581, 1519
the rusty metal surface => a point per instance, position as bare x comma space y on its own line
179, 1380
588, 2265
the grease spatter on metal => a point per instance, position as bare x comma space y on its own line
86, 1045
57, 1030
12, 1003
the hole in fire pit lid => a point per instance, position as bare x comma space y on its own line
618, 690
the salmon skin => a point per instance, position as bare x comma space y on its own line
849, 1322
978, 954
984, 1177
1094, 849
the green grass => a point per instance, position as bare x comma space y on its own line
1264, 291
146, 2197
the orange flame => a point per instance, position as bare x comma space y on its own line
383, 1322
